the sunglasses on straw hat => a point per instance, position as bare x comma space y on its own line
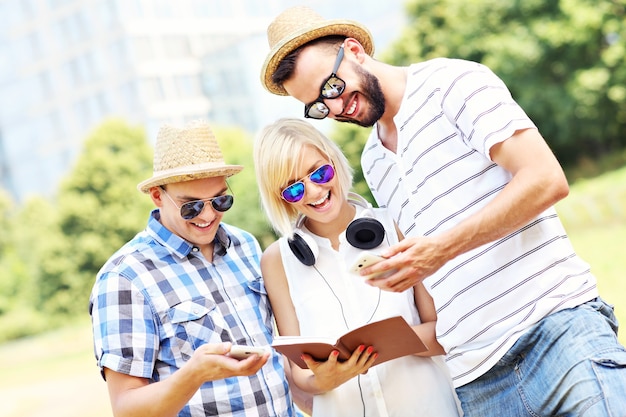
331, 88
192, 209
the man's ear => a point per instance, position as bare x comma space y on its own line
156, 193
354, 47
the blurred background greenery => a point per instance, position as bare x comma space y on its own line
562, 60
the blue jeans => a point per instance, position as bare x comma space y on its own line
568, 364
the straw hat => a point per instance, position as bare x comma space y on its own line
185, 154
298, 25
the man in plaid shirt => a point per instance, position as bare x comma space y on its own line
169, 304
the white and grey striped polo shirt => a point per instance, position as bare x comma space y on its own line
452, 112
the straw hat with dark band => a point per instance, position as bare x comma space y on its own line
298, 25
186, 154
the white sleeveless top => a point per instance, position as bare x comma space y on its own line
330, 301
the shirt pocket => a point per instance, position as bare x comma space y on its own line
196, 322
257, 287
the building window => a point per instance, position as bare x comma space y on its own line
176, 47
31, 50
56, 4
129, 97
129, 9
142, 49
45, 85
188, 85
106, 13
165, 8
118, 56
28, 9
152, 89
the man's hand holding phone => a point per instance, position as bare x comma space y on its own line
243, 352
366, 259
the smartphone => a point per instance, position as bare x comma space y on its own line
242, 352
364, 260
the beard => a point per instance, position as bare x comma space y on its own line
373, 94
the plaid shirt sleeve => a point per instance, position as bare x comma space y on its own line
125, 333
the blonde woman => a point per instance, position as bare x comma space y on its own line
304, 180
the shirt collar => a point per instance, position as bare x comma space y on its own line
179, 245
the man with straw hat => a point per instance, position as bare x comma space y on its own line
167, 307
472, 185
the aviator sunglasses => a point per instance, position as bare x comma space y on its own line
294, 192
333, 87
192, 209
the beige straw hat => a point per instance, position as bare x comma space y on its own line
185, 154
298, 25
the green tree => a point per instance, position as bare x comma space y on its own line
26, 232
9, 284
351, 139
99, 210
563, 61
247, 212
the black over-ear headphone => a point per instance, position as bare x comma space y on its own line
364, 232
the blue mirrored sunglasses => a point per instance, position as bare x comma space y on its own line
294, 192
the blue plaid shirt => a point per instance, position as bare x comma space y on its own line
157, 299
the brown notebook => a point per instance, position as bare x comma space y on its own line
391, 338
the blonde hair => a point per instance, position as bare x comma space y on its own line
278, 149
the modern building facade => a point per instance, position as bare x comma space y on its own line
66, 65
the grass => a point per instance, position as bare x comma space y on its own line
607, 258
55, 374
604, 248
594, 215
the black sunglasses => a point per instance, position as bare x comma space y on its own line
192, 209
333, 87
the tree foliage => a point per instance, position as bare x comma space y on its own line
563, 61
99, 209
351, 140
9, 285
26, 231
247, 212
